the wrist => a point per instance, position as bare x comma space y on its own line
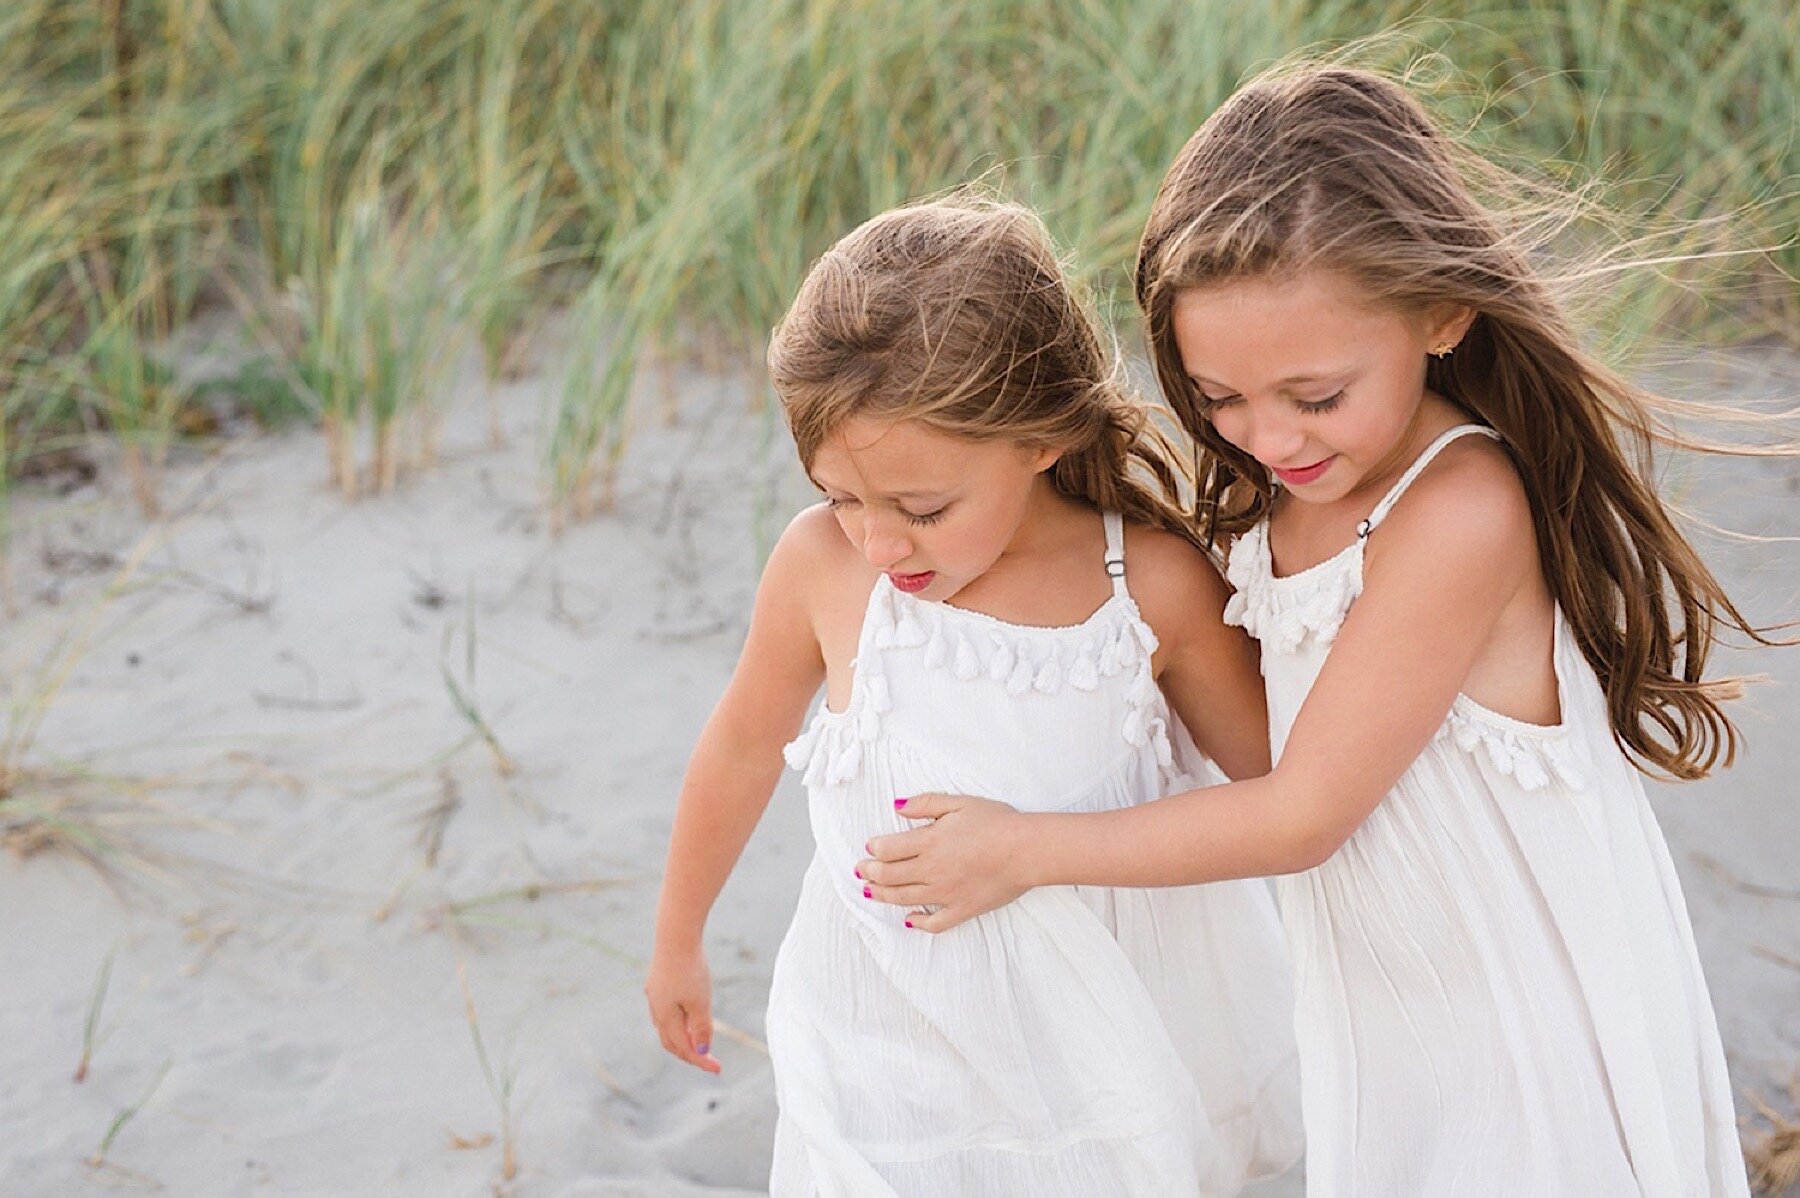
1029, 867
679, 939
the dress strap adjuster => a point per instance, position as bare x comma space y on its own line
1114, 524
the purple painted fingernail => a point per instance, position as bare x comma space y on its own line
703, 1049
866, 893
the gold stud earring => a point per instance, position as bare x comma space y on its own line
1444, 350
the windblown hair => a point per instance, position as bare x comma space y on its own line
957, 313
1339, 169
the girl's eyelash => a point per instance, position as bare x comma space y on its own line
927, 518
1208, 404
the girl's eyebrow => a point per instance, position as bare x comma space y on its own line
1289, 381
822, 485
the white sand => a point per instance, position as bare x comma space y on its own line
276, 672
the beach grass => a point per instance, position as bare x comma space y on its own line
374, 190
91, 1032
501, 1084
98, 1158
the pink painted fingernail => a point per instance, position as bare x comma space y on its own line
909, 923
899, 803
857, 871
866, 893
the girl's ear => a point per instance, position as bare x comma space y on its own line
1448, 325
1043, 459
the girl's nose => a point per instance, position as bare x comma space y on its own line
884, 546
1274, 441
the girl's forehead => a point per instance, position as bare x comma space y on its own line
897, 458
1281, 324
1323, 298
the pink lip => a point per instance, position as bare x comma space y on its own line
1304, 474
912, 584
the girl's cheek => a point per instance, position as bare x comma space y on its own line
1232, 426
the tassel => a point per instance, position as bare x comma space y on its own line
908, 634
1084, 675
846, 762
1049, 677
1001, 664
798, 752
967, 664
1019, 681
1529, 770
1145, 637
1165, 753
1109, 658
934, 648
1143, 689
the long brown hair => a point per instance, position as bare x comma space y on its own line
1327, 167
957, 313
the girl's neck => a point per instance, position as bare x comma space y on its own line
1050, 521
1431, 417
1305, 534
1052, 572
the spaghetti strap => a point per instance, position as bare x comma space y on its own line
1115, 550
1388, 501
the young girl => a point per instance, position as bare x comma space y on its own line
1475, 616
963, 595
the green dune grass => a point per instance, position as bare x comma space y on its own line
376, 188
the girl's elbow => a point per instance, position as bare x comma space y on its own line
1315, 831
1311, 848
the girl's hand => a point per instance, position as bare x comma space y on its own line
962, 862
680, 993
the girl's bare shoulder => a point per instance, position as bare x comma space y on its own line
1468, 513
1470, 493
813, 557
1171, 579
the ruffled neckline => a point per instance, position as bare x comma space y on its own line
1287, 612
977, 648
1533, 755
1284, 612
981, 617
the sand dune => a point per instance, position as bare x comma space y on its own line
317, 840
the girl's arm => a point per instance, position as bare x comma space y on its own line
1440, 571
1207, 669
730, 777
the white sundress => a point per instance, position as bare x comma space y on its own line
1496, 983
1079, 1041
